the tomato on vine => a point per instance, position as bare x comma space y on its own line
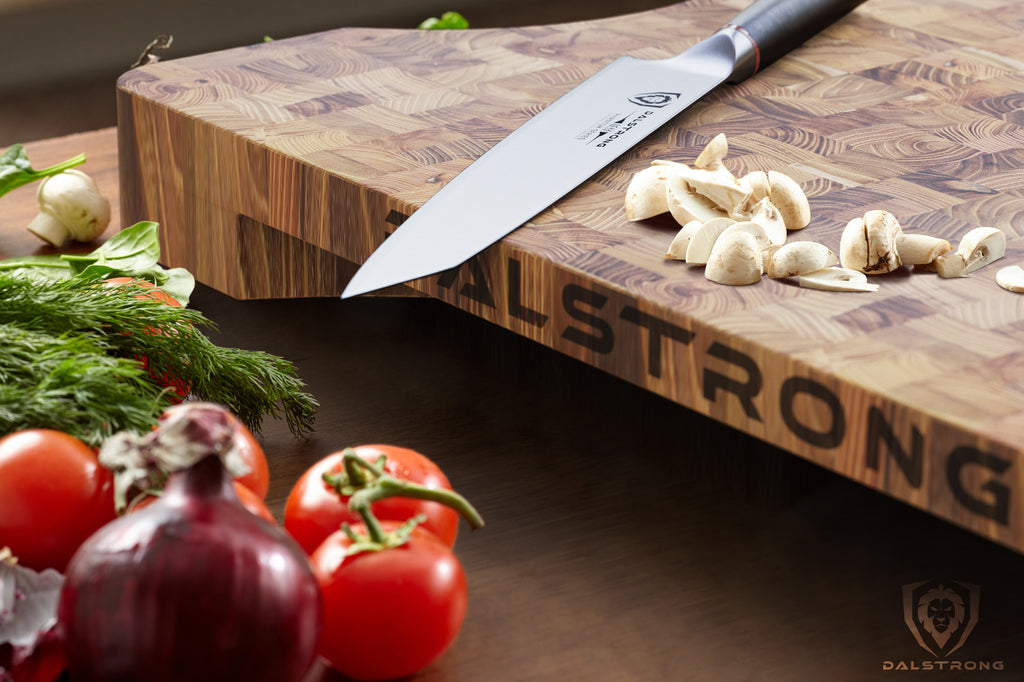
392, 605
319, 501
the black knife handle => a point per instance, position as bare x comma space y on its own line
777, 26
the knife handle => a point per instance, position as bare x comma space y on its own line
774, 27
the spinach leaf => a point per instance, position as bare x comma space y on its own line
132, 252
16, 170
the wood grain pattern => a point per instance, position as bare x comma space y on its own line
275, 167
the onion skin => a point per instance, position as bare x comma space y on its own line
192, 588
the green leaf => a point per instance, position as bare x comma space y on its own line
16, 170
448, 21
132, 252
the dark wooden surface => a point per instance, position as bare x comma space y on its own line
627, 538
277, 167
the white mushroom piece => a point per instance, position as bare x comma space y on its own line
735, 259
869, 243
1011, 278
837, 279
800, 258
698, 251
920, 250
789, 198
677, 249
977, 248
71, 206
646, 194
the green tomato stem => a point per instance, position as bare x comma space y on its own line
388, 486
364, 490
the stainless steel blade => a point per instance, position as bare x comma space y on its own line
545, 158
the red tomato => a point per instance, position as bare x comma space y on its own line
314, 509
53, 495
258, 478
150, 290
248, 498
389, 613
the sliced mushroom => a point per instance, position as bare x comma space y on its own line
977, 248
735, 259
699, 249
868, 243
756, 229
646, 196
712, 155
837, 279
677, 249
1011, 278
718, 186
920, 249
800, 258
759, 186
767, 215
789, 198
685, 204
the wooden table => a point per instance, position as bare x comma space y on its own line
627, 538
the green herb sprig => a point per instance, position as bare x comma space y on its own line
121, 324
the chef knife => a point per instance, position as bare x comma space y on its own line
579, 134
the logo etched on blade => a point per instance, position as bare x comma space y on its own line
654, 100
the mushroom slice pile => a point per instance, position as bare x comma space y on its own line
707, 199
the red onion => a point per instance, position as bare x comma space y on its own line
192, 588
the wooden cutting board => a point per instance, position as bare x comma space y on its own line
274, 168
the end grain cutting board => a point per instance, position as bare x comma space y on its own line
274, 168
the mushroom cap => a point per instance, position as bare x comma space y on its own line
76, 202
735, 259
869, 243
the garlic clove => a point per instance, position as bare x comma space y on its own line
645, 194
837, 279
735, 259
789, 198
703, 240
1011, 278
677, 249
800, 258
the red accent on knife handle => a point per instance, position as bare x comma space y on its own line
757, 50
774, 27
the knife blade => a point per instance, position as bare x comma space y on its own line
580, 133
